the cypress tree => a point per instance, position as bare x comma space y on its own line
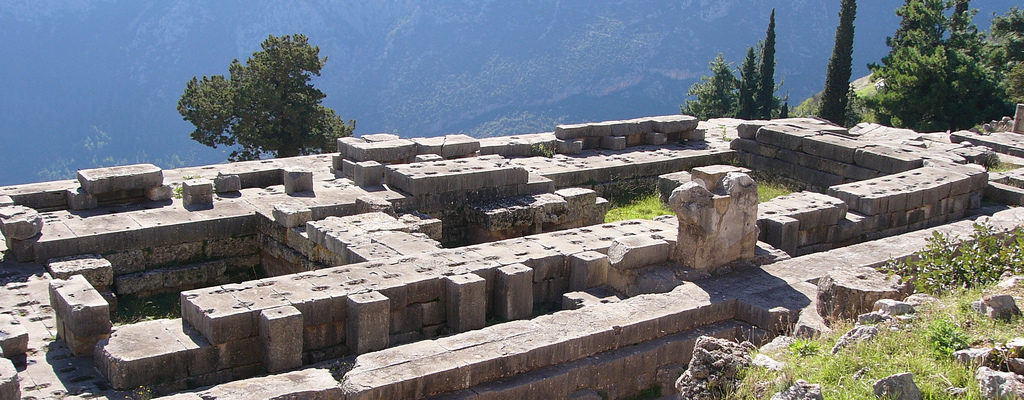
766, 87
748, 86
837, 82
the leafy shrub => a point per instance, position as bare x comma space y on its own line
945, 337
802, 348
948, 263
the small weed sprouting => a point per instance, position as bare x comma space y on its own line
802, 348
540, 150
945, 337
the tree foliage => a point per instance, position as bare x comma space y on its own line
748, 86
716, 95
935, 77
835, 100
766, 73
1006, 52
267, 106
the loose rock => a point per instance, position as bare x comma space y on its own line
713, 369
897, 387
893, 308
800, 391
857, 334
999, 385
1000, 306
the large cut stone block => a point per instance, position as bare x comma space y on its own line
97, 270
846, 293
466, 302
292, 215
79, 199
20, 222
588, 269
196, 192
513, 292
10, 387
886, 159
613, 142
1018, 119
113, 179
367, 173
83, 315
281, 336
159, 193
13, 337
715, 228
227, 183
297, 180
368, 322
637, 251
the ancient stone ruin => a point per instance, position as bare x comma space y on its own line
455, 267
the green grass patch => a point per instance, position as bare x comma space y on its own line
922, 347
770, 190
131, 309
1003, 167
646, 207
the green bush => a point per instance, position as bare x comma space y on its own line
948, 263
945, 338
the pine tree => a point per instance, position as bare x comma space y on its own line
835, 100
766, 73
934, 75
716, 95
748, 86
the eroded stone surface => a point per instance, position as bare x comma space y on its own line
715, 228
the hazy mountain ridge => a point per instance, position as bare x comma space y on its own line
81, 68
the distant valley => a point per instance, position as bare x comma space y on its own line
93, 83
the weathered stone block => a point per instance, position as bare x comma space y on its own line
637, 251
1018, 119
886, 159
655, 138
613, 142
832, 147
569, 146
292, 215
297, 180
159, 193
715, 228
20, 222
83, 315
97, 270
459, 145
427, 157
368, 322
1001, 306
13, 337
10, 387
6, 201
513, 292
281, 336
465, 302
197, 192
368, 173
587, 269
113, 179
712, 175
79, 199
227, 183
847, 293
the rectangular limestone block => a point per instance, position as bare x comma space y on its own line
832, 147
513, 292
587, 269
83, 315
637, 251
79, 199
613, 142
466, 302
748, 129
368, 173
6, 201
459, 145
13, 337
114, 179
782, 232
227, 183
569, 146
655, 138
96, 269
197, 192
385, 152
159, 193
427, 158
10, 386
886, 159
368, 322
297, 180
292, 215
1018, 119
281, 336
783, 136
